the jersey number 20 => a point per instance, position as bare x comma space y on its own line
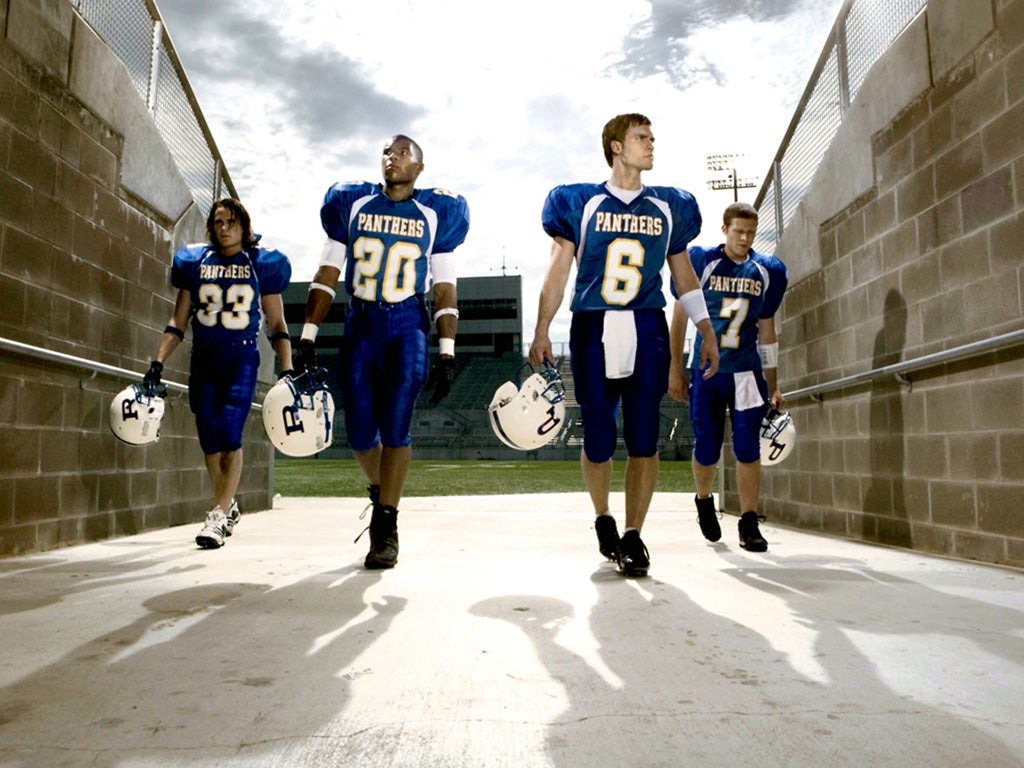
396, 281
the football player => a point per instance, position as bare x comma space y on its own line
390, 241
225, 287
743, 290
620, 234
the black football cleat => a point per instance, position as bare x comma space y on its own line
383, 538
607, 537
750, 535
634, 560
707, 516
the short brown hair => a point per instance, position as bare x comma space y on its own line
616, 130
739, 211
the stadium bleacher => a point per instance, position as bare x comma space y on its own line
459, 425
459, 428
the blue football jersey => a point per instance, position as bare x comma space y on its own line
390, 243
226, 290
620, 247
737, 296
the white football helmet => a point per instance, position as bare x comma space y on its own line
298, 414
135, 414
532, 415
778, 436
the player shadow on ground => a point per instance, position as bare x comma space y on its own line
215, 672
33, 583
847, 607
678, 684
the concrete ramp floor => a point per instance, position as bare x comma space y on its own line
503, 639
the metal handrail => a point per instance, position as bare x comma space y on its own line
90, 365
900, 369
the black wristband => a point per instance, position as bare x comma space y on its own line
176, 332
278, 336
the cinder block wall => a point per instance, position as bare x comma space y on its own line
927, 257
84, 262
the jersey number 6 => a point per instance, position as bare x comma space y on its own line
622, 276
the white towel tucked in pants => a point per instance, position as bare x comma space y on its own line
747, 394
619, 339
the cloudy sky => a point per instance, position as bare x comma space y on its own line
507, 101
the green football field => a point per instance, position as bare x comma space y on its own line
342, 477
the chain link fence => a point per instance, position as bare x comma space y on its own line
863, 31
134, 31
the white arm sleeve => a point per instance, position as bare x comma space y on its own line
694, 306
333, 255
442, 268
769, 355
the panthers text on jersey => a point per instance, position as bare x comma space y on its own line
226, 290
737, 294
620, 247
389, 243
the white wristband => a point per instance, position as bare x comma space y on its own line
694, 306
446, 346
309, 331
769, 355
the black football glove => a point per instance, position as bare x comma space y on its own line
440, 379
151, 380
305, 357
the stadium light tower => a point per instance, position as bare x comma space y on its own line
726, 164
504, 268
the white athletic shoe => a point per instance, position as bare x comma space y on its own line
234, 515
216, 528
